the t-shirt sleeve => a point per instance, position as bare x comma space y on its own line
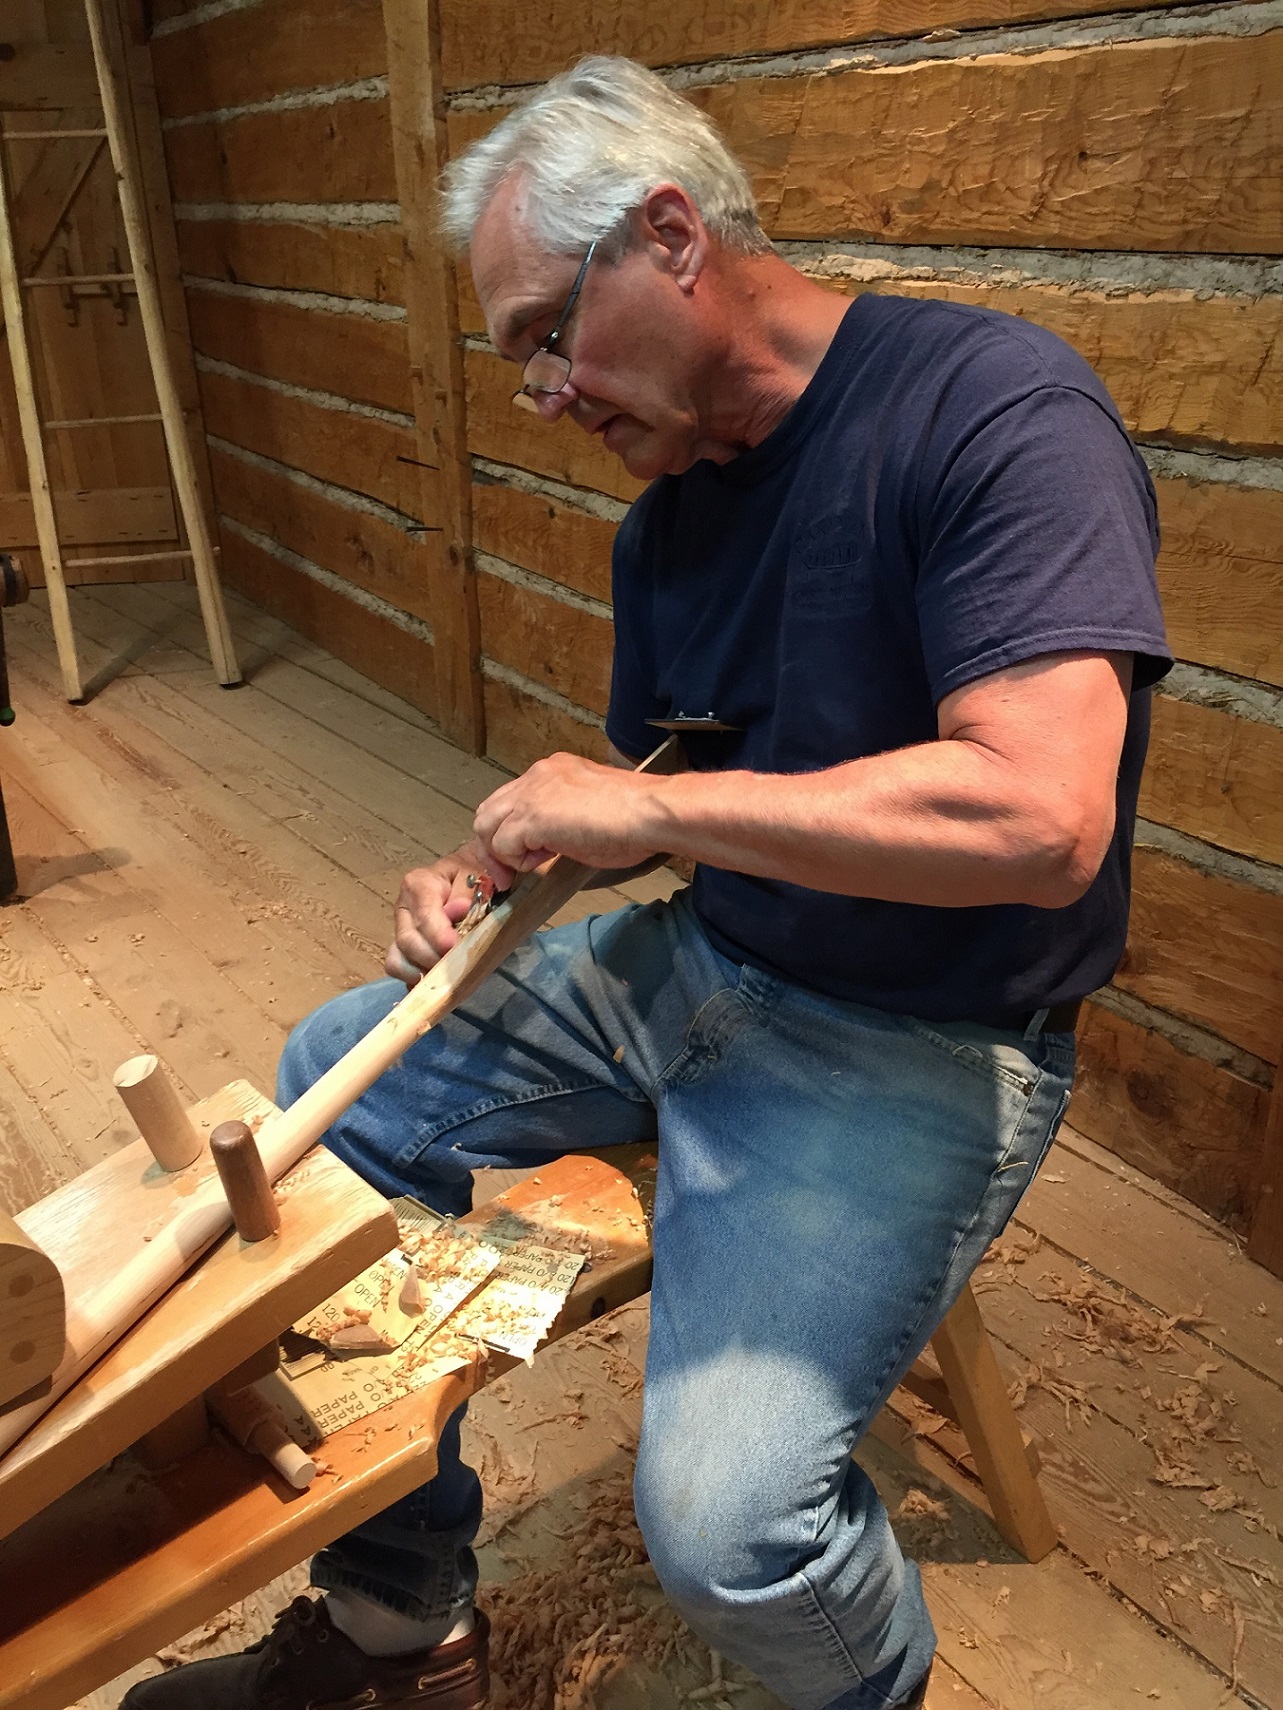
1039, 537
633, 696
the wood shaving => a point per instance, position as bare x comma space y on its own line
918, 1505
561, 1633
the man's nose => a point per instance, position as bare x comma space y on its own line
552, 406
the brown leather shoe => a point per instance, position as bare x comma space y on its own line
305, 1663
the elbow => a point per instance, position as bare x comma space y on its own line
1071, 853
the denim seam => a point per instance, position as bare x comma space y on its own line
429, 1135
702, 1051
971, 1057
960, 1235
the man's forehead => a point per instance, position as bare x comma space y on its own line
516, 278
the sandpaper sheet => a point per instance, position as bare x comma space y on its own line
499, 1290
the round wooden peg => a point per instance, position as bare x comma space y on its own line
154, 1104
249, 1193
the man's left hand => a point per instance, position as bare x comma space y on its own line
597, 815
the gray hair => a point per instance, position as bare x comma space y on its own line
590, 145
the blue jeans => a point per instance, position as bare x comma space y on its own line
828, 1177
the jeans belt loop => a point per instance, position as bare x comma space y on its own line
1036, 1021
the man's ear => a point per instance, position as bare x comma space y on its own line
672, 230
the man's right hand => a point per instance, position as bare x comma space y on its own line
432, 902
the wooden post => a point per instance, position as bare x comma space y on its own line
420, 149
108, 50
1265, 1243
249, 1193
150, 1098
33, 445
977, 1391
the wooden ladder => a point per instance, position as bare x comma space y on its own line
200, 551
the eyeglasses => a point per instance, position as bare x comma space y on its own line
546, 370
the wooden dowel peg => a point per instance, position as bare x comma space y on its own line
257, 1425
151, 1099
249, 1193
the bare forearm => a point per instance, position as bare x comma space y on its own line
947, 823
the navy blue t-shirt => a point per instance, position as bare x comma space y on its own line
953, 493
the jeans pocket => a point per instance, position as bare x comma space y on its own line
714, 1025
993, 1060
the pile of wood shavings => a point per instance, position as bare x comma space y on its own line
562, 1633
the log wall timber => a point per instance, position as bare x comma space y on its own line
398, 658
358, 545
256, 54
339, 261
1111, 166
1149, 145
355, 356
491, 41
366, 453
341, 152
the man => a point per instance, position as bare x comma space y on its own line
898, 556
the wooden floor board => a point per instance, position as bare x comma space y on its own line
391, 736
62, 1041
1160, 1545
166, 988
1182, 1264
221, 892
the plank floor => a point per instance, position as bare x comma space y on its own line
200, 867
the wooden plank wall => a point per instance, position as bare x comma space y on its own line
1108, 169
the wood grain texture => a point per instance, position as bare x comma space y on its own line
542, 534
34, 1326
193, 1542
419, 147
43, 77
337, 153
1215, 776
1162, 145
50, 187
1091, 1204
113, 517
155, 190
350, 355
373, 645
558, 646
490, 41
265, 51
373, 554
1206, 948
521, 729
498, 430
342, 261
334, 1225
1220, 573
1183, 1120
1155, 145
361, 453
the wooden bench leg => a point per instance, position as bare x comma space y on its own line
977, 1391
